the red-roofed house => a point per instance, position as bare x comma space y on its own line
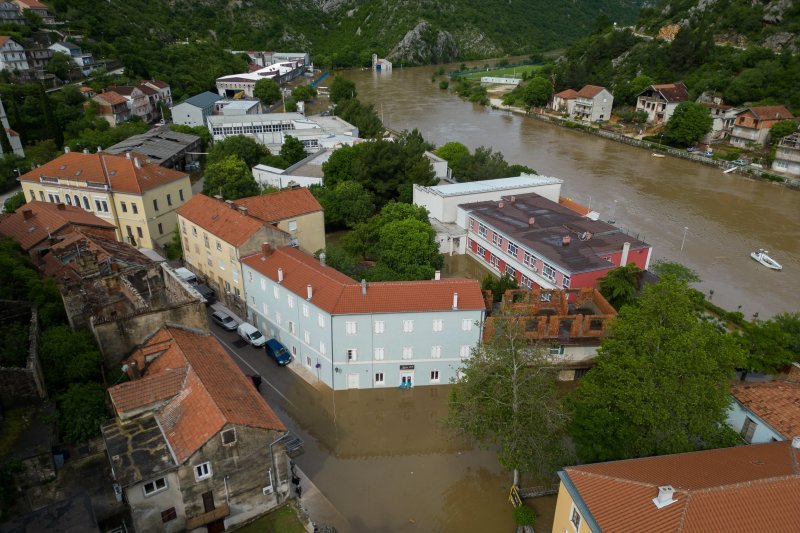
743, 489
138, 197
593, 103
752, 124
215, 235
660, 101
564, 101
295, 211
764, 412
113, 107
36, 7
193, 443
363, 335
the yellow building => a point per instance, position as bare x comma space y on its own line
138, 197
215, 234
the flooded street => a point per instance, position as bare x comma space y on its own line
727, 216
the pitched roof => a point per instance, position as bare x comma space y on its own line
86, 90
4, 39
281, 205
203, 99
220, 220
213, 394
770, 112
340, 295
46, 218
749, 488
67, 44
567, 94
33, 4
777, 403
671, 92
158, 83
590, 91
111, 98
60, 261
101, 168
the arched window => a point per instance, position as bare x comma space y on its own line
77, 201
68, 199
86, 203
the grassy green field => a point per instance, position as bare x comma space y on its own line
506, 72
282, 520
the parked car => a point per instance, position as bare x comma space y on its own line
251, 334
207, 293
278, 352
740, 162
708, 153
224, 320
691, 149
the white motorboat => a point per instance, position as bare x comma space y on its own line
762, 257
658, 155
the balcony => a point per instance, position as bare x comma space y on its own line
206, 518
786, 154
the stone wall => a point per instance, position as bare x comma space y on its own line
24, 385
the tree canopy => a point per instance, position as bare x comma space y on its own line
342, 89
245, 148
689, 122
537, 92
781, 129
660, 384
268, 91
620, 285
483, 164
231, 177
361, 116
346, 204
304, 93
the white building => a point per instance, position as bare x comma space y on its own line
84, 61
766, 411
195, 110
787, 156
593, 103
237, 107
264, 59
270, 129
441, 170
12, 55
13, 136
660, 101
442, 203
244, 83
354, 335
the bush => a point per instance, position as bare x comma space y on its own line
82, 411
444, 84
524, 515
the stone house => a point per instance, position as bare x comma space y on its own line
193, 445
141, 100
660, 101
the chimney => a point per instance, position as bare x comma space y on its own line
61, 207
796, 443
132, 370
231, 204
664, 497
66, 149
27, 214
137, 162
266, 249
242, 209
309, 292
280, 275
625, 249
531, 221
565, 240
437, 275
500, 204
85, 150
322, 259
127, 155
363, 287
99, 148
513, 199
218, 197
455, 300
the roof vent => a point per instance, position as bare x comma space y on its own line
500, 204
455, 300
266, 249
218, 197
66, 149
565, 240
437, 275
137, 162
27, 214
127, 155
664, 497
242, 209
531, 221
796, 443
85, 150
309, 291
280, 275
231, 204
363, 286
322, 257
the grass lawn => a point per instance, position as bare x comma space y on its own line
281, 520
507, 72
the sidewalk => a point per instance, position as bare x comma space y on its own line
319, 508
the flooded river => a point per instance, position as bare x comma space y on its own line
727, 216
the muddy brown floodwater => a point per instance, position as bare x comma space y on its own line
727, 216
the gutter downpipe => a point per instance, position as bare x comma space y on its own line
275, 466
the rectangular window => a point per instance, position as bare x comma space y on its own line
494, 238
408, 326
482, 230
307, 337
575, 518
379, 378
292, 225
408, 352
291, 327
350, 328
548, 272
228, 437
124, 207
290, 299
464, 351
526, 281
202, 471
160, 229
494, 261
263, 283
352, 354
155, 486
139, 232
180, 194
155, 204
379, 354
278, 318
275, 292
168, 515
169, 199
434, 376
512, 248
436, 352
748, 429
306, 311
556, 350
528, 260
321, 320
379, 326
221, 264
480, 250
135, 208
322, 347
219, 246
565, 282
100, 206
511, 271
438, 324
266, 310
205, 240
466, 324
235, 274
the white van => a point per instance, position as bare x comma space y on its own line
186, 275
251, 334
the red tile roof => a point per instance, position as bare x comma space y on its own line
46, 218
220, 220
777, 403
281, 205
214, 393
338, 294
86, 89
3, 40
672, 92
749, 488
120, 171
33, 4
158, 83
590, 91
111, 98
771, 112
567, 94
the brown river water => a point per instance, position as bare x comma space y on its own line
727, 216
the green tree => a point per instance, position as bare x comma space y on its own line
781, 129
292, 150
498, 286
407, 250
662, 268
768, 346
346, 205
245, 148
619, 286
200, 131
537, 93
454, 153
5, 142
338, 259
688, 124
68, 357
342, 89
82, 411
14, 202
61, 65
790, 324
41, 152
231, 177
660, 384
267, 91
290, 106
506, 399
361, 116
304, 93
53, 129
173, 247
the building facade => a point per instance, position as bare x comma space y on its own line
195, 110
766, 411
787, 156
363, 335
12, 55
752, 125
593, 103
113, 107
243, 84
660, 101
137, 197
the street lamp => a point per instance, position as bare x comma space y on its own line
685, 229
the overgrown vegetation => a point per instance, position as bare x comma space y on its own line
483, 164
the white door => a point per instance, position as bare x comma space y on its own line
352, 381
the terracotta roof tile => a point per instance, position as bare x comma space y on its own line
158, 83
111, 98
147, 390
281, 205
590, 91
730, 489
771, 112
567, 94
777, 403
86, 89
120, 171
339, 294
33, 4
220, 220
215, 392
672, 92
46, 218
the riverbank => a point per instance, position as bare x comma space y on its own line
595, 129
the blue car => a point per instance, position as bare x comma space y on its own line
278, 352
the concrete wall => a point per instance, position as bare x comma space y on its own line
264, 176
190, 115
310, 232
24, 385
563, 514
736, 419
146, 510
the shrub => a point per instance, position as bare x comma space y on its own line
524, 515
82, 410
